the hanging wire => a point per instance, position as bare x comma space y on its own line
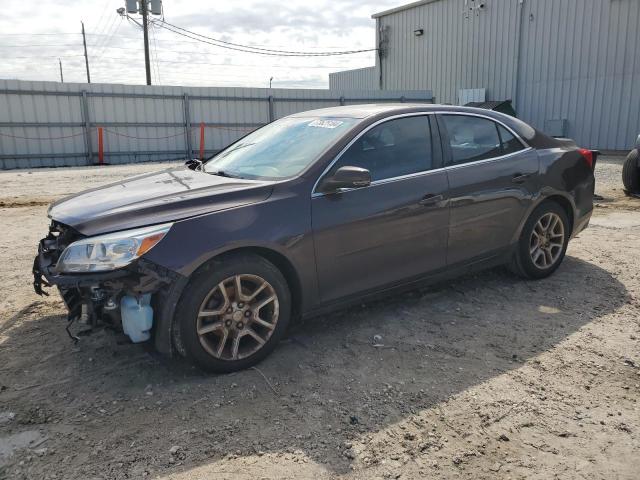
41, 138
108, 39
248, 49
105, 33
102, 16
155, 53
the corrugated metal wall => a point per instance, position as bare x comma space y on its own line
55, 124
577, 60
357, 79
581, 62
458, 50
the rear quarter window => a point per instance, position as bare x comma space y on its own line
510, 144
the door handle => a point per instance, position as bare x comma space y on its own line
431, 199
520, 178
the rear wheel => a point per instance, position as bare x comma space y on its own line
543, 242
631, 173
234, 313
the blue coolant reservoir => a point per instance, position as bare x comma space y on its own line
137, 317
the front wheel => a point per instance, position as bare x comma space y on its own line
631, 173
233, 313
543, 242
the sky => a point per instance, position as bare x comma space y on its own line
34, 35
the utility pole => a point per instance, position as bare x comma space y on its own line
145, 30
86, 58
61, 77
131, 6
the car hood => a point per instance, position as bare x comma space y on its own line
164, 196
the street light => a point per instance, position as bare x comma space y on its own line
270, 80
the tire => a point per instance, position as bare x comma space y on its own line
523, 263
631, 173
210, 307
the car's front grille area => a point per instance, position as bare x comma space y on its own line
49, 251
60, 236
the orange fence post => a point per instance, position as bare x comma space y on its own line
100, 147
201, 140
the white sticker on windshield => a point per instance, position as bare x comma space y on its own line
326, 123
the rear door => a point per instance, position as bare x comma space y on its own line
493, 177
392, 230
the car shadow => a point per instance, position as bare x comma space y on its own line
117, 409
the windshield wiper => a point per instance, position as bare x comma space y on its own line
222, 173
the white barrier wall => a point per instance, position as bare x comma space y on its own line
45, 124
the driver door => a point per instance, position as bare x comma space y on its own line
392, 230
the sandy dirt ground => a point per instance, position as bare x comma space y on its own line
487, 376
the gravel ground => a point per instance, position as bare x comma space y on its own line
35, 187
486, 376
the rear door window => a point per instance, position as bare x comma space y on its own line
392, 149
472, 138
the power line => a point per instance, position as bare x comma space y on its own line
251, 65
103, 41
160, 40
44, 56
42, 45
174, 41
104, 10
265, 49
29, 34
105, 44
217, 64
155, 52
106, 27
184, 52
247, 49
256, 65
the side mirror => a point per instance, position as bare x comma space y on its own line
193, 164
347, 177
638, 142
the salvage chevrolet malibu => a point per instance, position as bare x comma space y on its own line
214, 259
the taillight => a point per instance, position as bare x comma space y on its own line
588, 156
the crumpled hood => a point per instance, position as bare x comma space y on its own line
164, 196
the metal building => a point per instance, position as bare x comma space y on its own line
358, 79
570, 67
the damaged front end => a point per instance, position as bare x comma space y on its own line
103, 279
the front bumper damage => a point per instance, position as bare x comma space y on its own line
94, 299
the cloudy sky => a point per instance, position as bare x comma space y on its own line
34, 35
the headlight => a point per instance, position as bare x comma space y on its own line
110, 251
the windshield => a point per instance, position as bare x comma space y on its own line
279, 150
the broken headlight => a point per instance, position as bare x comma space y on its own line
110, 251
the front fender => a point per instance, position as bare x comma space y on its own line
281, 224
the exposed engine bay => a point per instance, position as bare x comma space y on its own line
122, 299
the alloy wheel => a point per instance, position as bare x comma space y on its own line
237, 317
547, 240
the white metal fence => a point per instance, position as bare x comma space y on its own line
45, 124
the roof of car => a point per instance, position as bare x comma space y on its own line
374, 112
369, 110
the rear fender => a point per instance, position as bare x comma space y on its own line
545, 194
